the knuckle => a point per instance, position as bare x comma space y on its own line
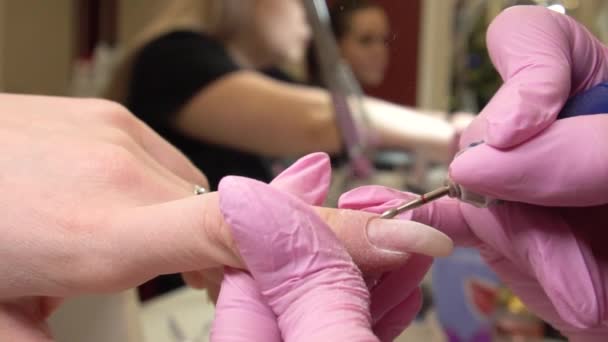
120, 138
114, 115
114, 164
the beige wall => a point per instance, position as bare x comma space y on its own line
36, 39
435, 55
134, 15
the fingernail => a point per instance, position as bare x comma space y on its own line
398, 236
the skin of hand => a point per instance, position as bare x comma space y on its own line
302, 285
93, 201
545, 242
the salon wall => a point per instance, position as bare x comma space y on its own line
399, 85
36, 45
435, 55
133, 15
38, 41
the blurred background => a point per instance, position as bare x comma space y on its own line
436, 61
67, 47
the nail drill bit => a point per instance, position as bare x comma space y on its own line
418, 202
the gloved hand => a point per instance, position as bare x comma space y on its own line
303, 285
542, 254
549, 251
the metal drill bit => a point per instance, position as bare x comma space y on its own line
416, 203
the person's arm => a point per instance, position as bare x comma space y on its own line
249, 111
410, 128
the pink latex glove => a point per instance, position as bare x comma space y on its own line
303, 284
544, 58
552, 255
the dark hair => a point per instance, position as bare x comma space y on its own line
341, 12
340, 15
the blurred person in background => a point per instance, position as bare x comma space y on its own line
362, 31
193, 76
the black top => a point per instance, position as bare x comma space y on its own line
166, 74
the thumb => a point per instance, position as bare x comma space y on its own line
241, 312
562, 166
308, 280
529, 49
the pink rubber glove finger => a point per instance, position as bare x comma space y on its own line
308, 178
544, 58
537, 301
396, 286
396, 320
565, 165
534, 239
443, 214
544, 246
397, 298
525, 286
371, 246
241, 313
308, 280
